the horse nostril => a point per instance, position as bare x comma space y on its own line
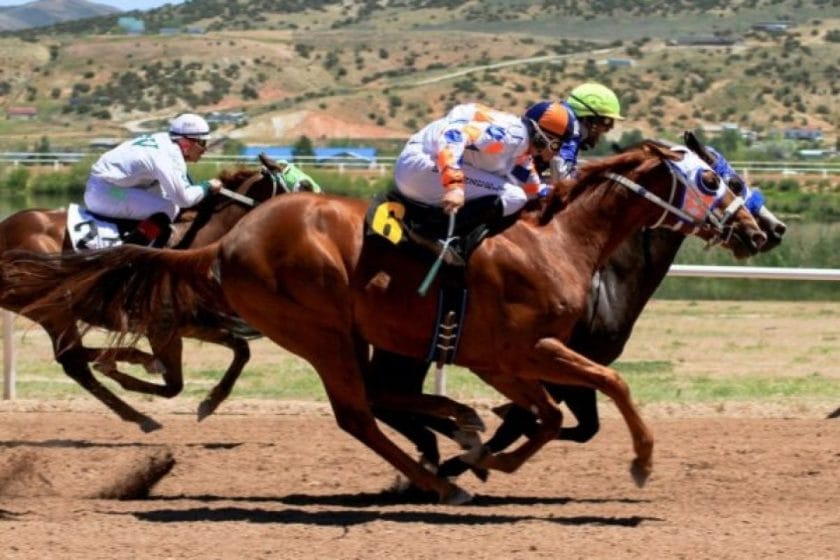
758, 239
779, 230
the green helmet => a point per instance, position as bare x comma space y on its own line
594, 100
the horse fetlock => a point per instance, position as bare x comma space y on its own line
467, 439
154, 366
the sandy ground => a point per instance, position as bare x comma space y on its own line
280, 480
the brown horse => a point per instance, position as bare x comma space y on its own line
301, 271
44, 231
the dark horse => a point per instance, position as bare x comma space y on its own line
618, 294
44, 231
300, 270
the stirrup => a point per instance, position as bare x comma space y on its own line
450, 255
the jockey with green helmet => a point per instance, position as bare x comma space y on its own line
594, 108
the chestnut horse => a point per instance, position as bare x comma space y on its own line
44, 231
301, 271
618, 294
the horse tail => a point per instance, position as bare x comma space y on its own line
127, 289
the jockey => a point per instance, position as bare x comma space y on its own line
594, 109
146, 179
478, 153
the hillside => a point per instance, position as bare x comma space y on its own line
41, 13
335, 70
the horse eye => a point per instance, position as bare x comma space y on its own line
736, 185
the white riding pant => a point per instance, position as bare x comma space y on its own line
418, 178
133, 203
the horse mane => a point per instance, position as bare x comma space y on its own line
589, 173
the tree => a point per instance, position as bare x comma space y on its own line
303, 147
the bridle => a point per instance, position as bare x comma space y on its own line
276, 181
718, 220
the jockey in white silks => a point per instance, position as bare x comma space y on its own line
146, 178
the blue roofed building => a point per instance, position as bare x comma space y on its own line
347, 156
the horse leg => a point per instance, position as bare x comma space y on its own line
388, 372
394, 383
167, 350
222, 389
583, 403
529, 393
340, 371
105, 360
577, 369
74, 360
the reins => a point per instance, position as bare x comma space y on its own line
249, 201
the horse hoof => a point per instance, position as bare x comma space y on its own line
205, 409
640, 473
481, 474
458, 496
149, 425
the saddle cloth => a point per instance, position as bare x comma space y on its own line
87, 231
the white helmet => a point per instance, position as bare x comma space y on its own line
190, 125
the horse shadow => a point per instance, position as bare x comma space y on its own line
364, 508
350, 517
87, 444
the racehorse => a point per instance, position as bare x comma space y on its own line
301, 271
618, 294
44, 231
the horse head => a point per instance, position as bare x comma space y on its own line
754, 200
692, 198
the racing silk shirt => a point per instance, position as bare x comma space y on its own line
566, 158
475, 135
147, 161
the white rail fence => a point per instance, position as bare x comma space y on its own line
754, 272
383, 164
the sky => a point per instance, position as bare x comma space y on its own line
126, 5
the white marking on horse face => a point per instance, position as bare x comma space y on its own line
691, 167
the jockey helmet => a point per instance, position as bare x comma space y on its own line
547, 122
190, 125
594, 100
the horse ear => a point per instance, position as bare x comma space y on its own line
268, 162
693, 144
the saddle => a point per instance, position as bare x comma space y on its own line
419, 228
414, 226
88, 230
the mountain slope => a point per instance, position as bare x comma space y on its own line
43, 13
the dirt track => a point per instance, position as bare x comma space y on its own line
281, 481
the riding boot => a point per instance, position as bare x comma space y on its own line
154, 231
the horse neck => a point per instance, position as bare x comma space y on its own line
621, 288
215, 226
596, 223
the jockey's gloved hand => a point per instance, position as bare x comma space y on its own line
453, 200
214, 185
560, 169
